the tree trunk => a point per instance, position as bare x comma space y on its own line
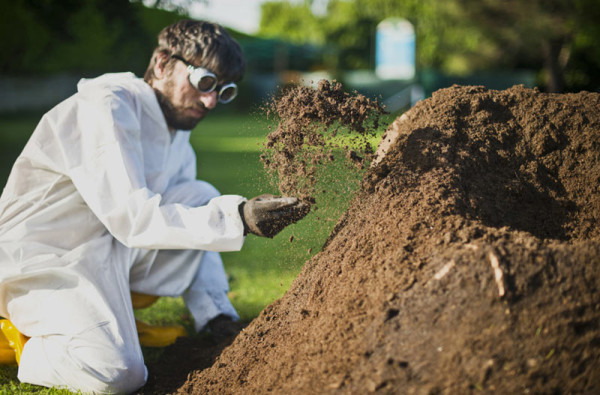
552, 64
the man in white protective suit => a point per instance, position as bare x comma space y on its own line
103, 203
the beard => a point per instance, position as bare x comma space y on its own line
174, 116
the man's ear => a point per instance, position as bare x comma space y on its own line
160, 66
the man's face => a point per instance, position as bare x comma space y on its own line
182, 105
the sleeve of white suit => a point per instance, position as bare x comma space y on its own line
188, 171
106, 165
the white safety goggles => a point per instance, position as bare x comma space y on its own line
206, 81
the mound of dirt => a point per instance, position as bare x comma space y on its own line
469, 261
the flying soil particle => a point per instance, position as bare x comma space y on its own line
312, 122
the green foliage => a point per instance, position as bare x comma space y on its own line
91, 41
353, 32
24, 39
91, 36
10, 385
296, 20
153, 20
538, 33
558, 37
344, 31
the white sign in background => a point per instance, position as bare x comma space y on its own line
395, 49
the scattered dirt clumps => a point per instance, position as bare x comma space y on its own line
468, 262
309, 120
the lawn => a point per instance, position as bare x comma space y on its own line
228, 148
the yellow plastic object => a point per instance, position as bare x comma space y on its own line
7, 354
141, 301
158, 336
11, 343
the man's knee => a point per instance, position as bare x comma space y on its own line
90, 369
128, 377
120, 370
120, 381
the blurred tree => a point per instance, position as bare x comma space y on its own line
84, 36
583, 69
24, 38
539, 31
349, 26
345, 32
352, 31
179, 6
294, 22
446, 39
558, 37
92, 38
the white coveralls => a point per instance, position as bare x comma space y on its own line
102, 201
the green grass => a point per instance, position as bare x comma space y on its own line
228, 149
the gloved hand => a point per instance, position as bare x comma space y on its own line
267, 215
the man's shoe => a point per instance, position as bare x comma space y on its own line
141, 301
154, 335
158, 336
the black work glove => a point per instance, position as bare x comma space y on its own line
267, 215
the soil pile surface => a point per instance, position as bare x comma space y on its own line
469, 261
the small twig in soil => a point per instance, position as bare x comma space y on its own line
472, 246
498, 275
443, 271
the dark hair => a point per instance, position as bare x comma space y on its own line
203, 44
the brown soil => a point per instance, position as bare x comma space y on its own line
469, 262
179, 361
303, 142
